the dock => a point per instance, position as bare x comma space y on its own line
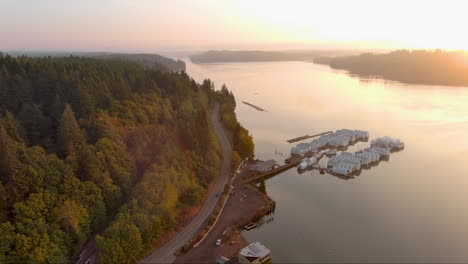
273, 171
254, 106
307, 136
291, 162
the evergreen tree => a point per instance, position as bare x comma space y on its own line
69, 134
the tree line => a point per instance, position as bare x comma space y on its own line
90, 144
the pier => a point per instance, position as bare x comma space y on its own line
272, 172
307, 136
290, 162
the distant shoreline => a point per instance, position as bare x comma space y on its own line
411, 67
220, 56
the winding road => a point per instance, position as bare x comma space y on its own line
165, 254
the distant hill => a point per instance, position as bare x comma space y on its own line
214, 56
417, 67
148, 60
152, 61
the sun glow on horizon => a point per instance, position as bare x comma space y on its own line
367, 23
148, 25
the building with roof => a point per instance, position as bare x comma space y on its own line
264, 166
223, 260
254, 253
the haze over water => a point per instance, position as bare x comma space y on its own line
412, 208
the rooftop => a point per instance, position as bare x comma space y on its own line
265, 165
255, 250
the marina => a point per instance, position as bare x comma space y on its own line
346, 163
306, 156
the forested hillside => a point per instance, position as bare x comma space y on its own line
149, 60
418, 66
152, 61
91, 144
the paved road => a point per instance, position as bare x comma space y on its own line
165, 254
88, 254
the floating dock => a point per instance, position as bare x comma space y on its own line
307, 136
254, 106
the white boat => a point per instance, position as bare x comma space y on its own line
311, 161
302, 165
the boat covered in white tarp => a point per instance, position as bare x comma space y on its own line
346, 163
311, 161
302, 165
387, 142
342, 169
340, 138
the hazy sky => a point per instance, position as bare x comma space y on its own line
154, 25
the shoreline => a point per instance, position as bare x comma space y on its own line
246, 204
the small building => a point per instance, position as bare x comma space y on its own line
255, 253
264, 166
223, 260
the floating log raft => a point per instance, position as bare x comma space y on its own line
254, 106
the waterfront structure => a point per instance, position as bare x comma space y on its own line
342, 169
387, 142
340, 138
264, 166
347, 163
303, 165
222, 260
254, 253
311, 161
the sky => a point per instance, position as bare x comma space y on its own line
195, 25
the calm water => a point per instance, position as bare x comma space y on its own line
413, 208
